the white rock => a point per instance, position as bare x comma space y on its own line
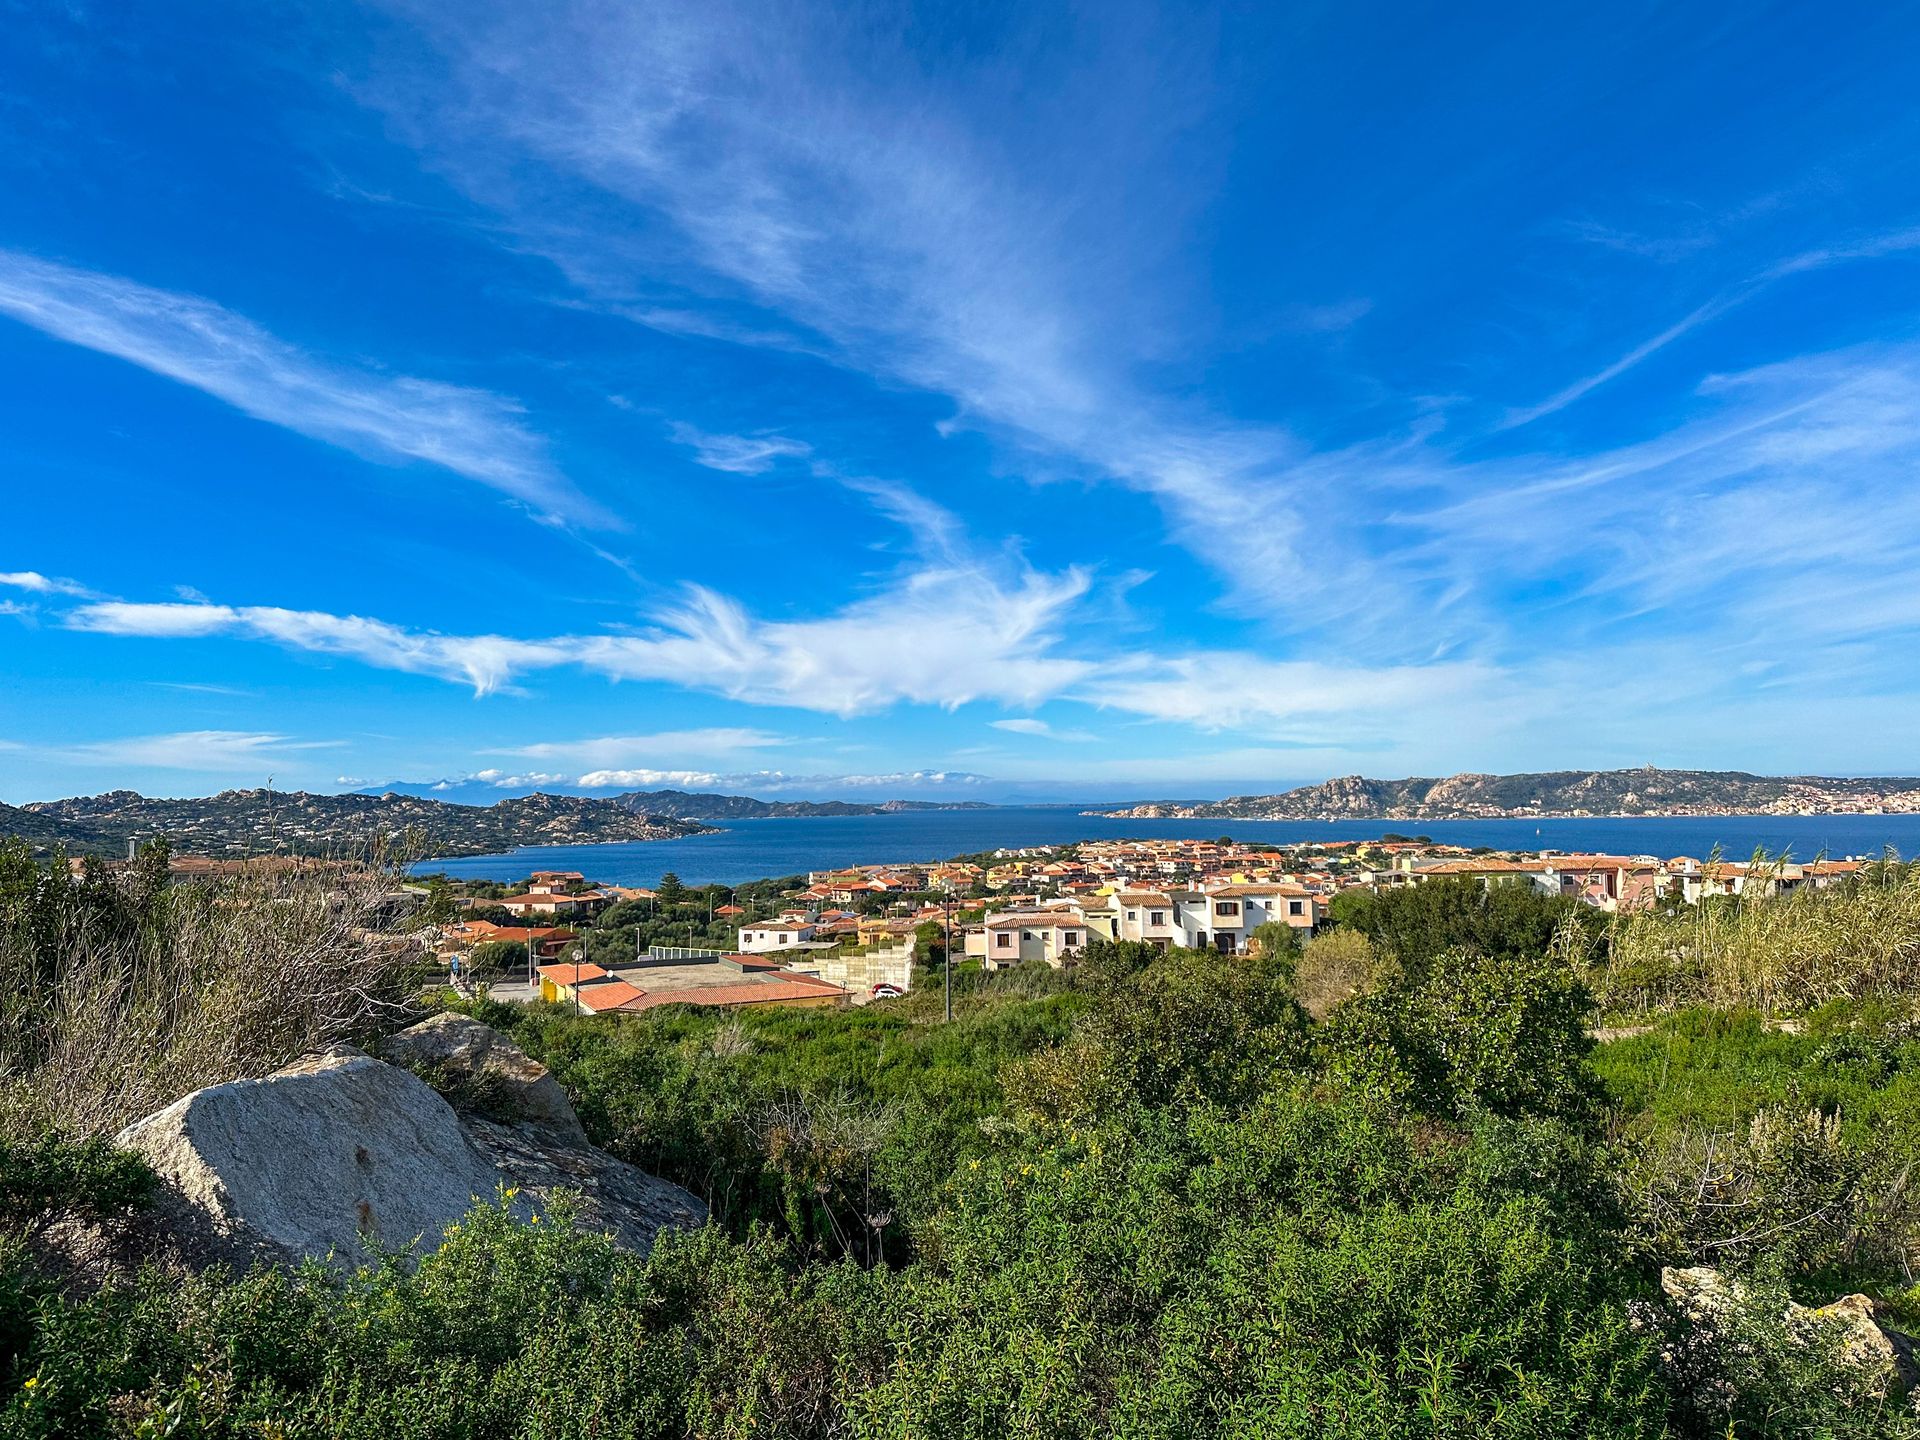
311, 1159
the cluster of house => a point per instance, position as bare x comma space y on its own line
1048, 905
1622, 882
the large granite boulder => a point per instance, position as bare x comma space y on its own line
341, 1148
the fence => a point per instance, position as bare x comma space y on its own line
665, 953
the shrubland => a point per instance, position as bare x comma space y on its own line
1385, 1185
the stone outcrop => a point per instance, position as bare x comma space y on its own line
466, 1060
1706, 1297
341, 1148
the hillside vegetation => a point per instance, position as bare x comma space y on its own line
1385, 1185
273, 822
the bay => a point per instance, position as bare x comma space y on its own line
754, 849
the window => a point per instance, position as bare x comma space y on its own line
1070, 938
1003, 939
1296, 907
1226, 907
1156, 917
1133, 914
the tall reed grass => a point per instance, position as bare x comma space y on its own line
121, 991
1780, 954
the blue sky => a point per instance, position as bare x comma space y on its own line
986, 400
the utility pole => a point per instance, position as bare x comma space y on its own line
579, 958
946, 956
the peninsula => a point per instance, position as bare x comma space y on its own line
1553, 794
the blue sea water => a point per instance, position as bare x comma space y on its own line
754, 849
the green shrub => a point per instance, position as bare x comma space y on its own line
48, 1177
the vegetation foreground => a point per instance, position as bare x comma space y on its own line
1385, 1185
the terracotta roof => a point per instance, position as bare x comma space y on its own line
567, 972
613, 995
798, 987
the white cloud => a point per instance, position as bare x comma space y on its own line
939, 637
1229, 690
648, 780
213, 751
390, 418
1026, 725
609, 751
739, 454
486, 662
42, 584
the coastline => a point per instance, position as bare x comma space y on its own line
1459, 816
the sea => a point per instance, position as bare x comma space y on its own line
756, 849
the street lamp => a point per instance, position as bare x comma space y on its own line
946, 955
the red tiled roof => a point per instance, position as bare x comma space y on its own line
799, 987
568, 972
613, 995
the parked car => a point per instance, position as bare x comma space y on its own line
884, 991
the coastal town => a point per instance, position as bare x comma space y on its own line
867, 932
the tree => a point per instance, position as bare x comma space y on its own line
492, 958
670, 889
1471, 1033
1274, 940
1417, 923
1335, 966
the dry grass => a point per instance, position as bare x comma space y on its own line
115, 1002
1779, 955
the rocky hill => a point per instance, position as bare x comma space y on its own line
261, 822
1646, 791
701, 806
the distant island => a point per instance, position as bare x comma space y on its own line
691, 805
242, 823
1553, 794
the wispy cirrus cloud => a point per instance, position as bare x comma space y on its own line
912, 242
739, 454
1872, 247
1041, 730
384, 417
875, 219
209, 751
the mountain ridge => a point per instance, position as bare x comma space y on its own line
259, 822
711, 805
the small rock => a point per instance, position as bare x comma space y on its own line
1705, 1296
479, 1062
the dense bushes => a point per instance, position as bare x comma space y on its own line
817, 1122
1383, 1187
